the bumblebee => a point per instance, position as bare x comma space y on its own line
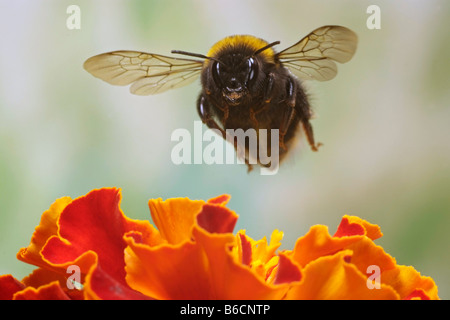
245, 83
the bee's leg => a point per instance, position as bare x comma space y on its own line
253, 118
285, 124
305, 113
224, 109
204, 112
226, 113
310, 135
269, 88
268, 93
290, 111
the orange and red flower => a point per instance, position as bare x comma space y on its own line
192, 253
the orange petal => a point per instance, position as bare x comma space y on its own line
179, 270
258, 255
317, 243
43, 276
263, 251
47, 228
168, 271
407, 282
229, 278
366, 253
202, 267
175, 217
51, 291
331, 277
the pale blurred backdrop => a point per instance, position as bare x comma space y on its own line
384, 121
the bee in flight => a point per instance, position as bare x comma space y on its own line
245, 83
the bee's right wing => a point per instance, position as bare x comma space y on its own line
314, 57
149, 73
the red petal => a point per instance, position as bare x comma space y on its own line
91, 230
223, 199
349, 229
417, 294
287, 271
246, 247
100, 285
217, 219
9, 286
91, 223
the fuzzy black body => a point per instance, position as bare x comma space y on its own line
245, 84
244, 90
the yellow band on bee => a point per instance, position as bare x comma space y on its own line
242, 40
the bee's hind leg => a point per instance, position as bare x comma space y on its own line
305, 114
310, 135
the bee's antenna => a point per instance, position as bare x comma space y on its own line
266, 47
197, 55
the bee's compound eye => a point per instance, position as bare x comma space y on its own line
251, 69
216, 70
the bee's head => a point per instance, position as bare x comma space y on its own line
234, 74
237, 70
234, 67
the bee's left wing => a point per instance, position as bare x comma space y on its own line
313, 57
149, 73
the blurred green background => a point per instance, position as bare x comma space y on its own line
384, 121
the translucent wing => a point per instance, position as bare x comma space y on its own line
149, 73
313, 57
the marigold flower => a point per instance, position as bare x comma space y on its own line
192, 253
